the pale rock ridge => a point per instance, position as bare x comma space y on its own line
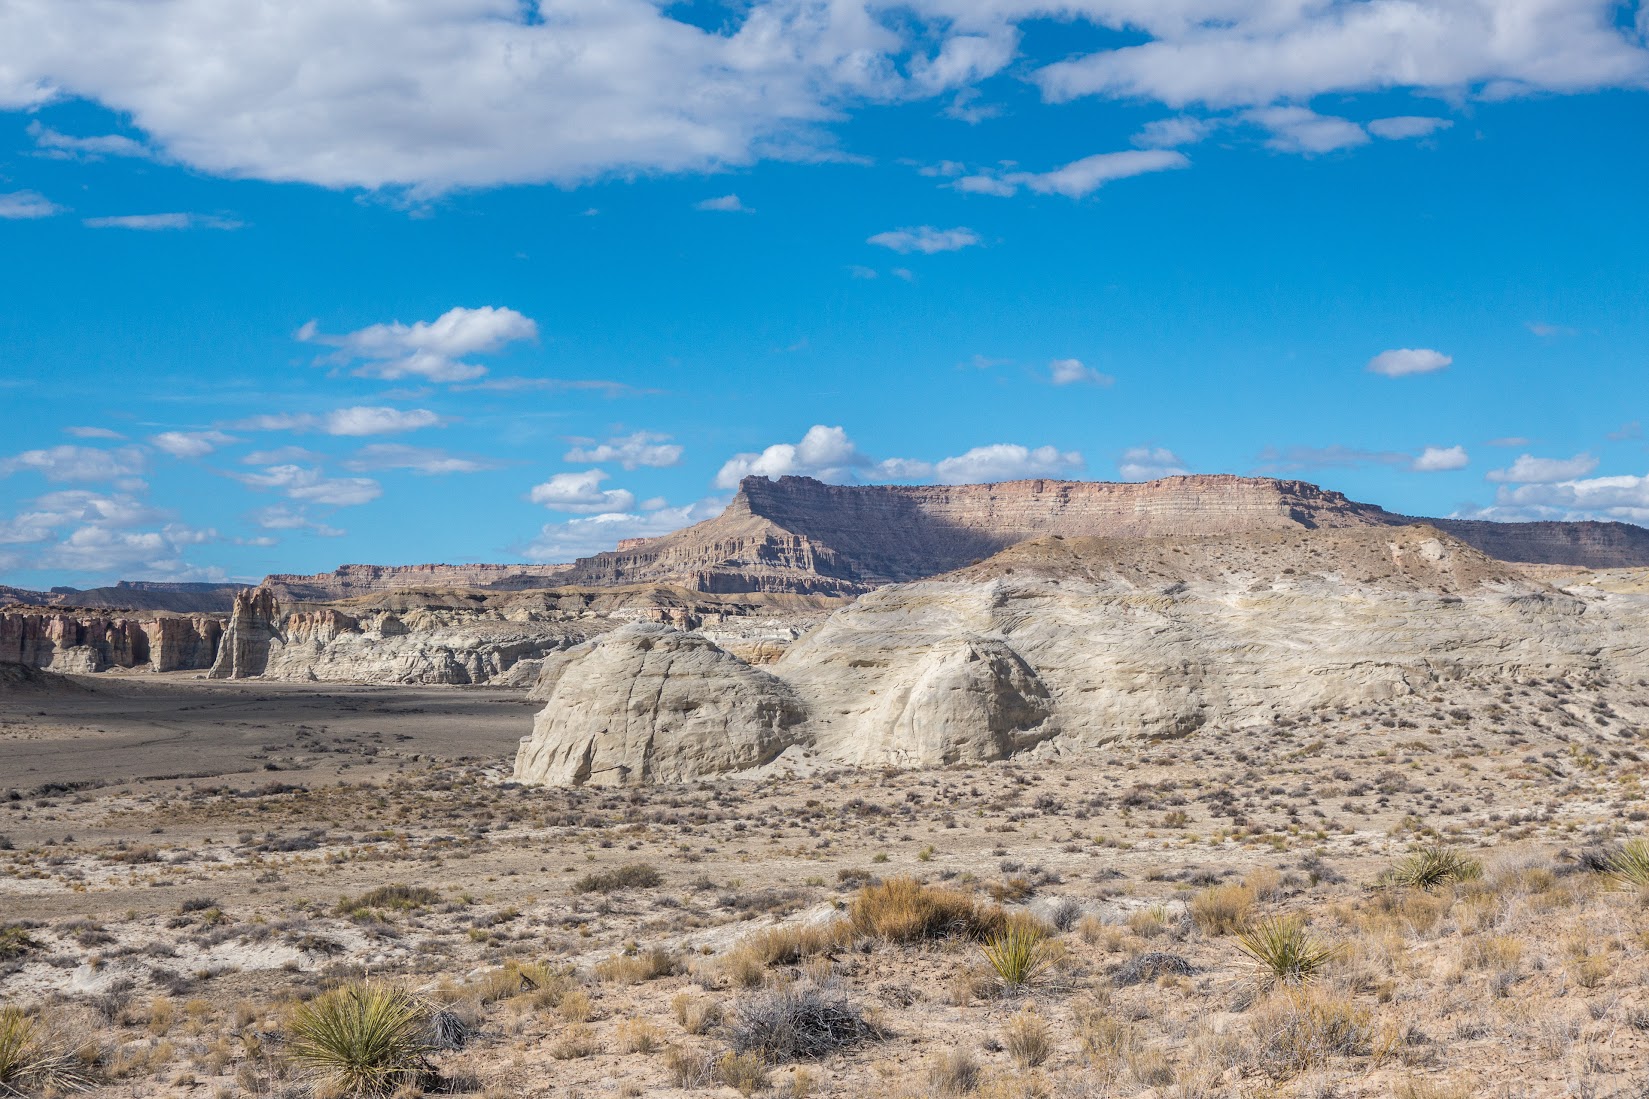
81, 642
648, 703
348, 581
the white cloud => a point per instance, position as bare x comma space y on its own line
310, 485
1147, 463
584, 537
1299, 130
355, 421
152, 223
282, 517
1531, 470
428, 349
85, 148
825, 453
190, 444
1007, 462
106, 535
76, 463
1622, 499
727, 204
1078, 178
1437, 459
92, 433
1402, 361
644, 448
582, 493
1166, 133
25, 205
1071, 371
926, 239
418, 459
1406, 126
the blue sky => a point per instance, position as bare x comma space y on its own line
473, 280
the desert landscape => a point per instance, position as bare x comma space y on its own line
1203, 787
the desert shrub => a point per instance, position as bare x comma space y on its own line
954, 1073
391, 898
696, 1014
363, 1039
1151, 965
575, 1042
1026, 1040
1221, 909
15, 942
546, 985
33, 1059
575, 1006
1630, 865
1151, 1068
635, 876
1016, 953
1434, 867
636, 1036
744, 1072
1284, 951
1302, 1030
903, 910
633, 969
798, 1023
791, 945
689, 1068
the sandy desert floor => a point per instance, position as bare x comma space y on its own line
182, 862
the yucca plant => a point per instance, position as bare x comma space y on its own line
1433, 867
1284, 951
1016, 953
31, 1061
1630, 865
365, 1039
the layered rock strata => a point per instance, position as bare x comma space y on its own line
82, 642
349, 581
1068, 645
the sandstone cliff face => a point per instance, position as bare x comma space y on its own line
1069, 645
800, 535
82, 642
650, 704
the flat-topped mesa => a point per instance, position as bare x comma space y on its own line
801, 535
351, 580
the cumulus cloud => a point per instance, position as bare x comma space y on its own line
926, 239
727, 204
418, 459
26, 205
1531, 470
1147, 463
828, 454
1406, 126
1006, 462
427, 349
1078, 178
1072, 371
76, 463
581, 493
190, 444
1300, 130
825, 453
1408, 360
583, 537
1622, 499
310, 485
643, 448
109, 536
355, 421
1437, 459
154, 223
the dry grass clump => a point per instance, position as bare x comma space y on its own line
389, 898
696, 1014
955, 1072
801, 1022
15, 942
1304, 1029
746, 1073
634, 969
1027, 1040
689, 1068
1283, 951
636, 1036
34, 1060
1221, 909
1434, 867
362, 1039
902, 910
747, 963
635, 876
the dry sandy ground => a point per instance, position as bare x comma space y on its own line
168, 924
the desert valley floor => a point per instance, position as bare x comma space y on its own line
627, 942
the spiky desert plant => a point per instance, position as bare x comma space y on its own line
31, 1061
1016, 953
365, 1039
1630, 865
1433, 867
1284, 951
